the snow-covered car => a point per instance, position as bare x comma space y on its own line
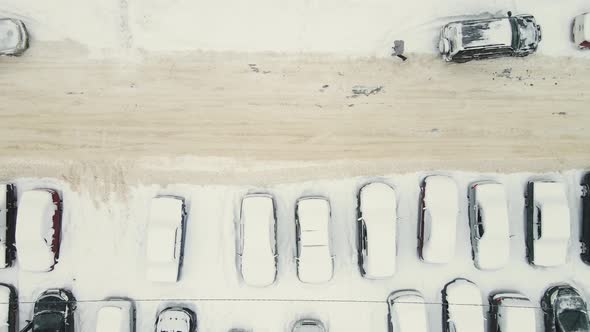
309, 325
53, 311
8, 308
38, 230
315, 262
407, 312
165, 238
585, 236
467, 40
7, 223
437, 224
489, 225
548, 223
512, 312
176, 319
14, 39
257, 248
462, 307
117, 315
376, 230
564, 310
581, 31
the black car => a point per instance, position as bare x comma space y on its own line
53, 312
585, 239
8, 295
8, 222
564, 310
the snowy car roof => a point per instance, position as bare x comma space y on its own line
494, 246
165, 210
161, 244
10, 34
408, 312
314, 218
479, 33
378, 207
551, 200
258, 265
34, 231
517, 315
465, 306
173, 320
110, 319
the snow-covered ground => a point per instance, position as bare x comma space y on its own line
103, 248
346, 27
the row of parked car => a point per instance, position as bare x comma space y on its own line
463, 310
460, 41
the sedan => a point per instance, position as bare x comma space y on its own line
462, 307
14, 39
9, 313
315, 263
176, 319
407, 312
38, 230
117, 315
257, 248
437, 224
489, 224
7, 223
376, 229
54, 311
547, 223
165, 238
564, 310
309, 325
512, 312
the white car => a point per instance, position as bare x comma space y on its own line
8, 309
489, 225
376, 229
315, 263
462, 307
165, 238
309, 325
407, 312
438, 219
7, 223
581, 31
176, 319
512, 312
547, 223
117, 315
14, 39
38, 230
257, 251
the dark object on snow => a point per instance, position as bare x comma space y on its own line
10, 297
398, 49
54, 311
366, 90
8, 222
585, 239
564, 310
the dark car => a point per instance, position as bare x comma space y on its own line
564, 310
7, 222
585, 238
9, 319
53, 312
177, 319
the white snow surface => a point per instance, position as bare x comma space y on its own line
102, 241
346, 27
465, 306
34, 231
517, 315
315, 263
4, 307
551, 248
408, 312
493, 248
378, 205
440, 219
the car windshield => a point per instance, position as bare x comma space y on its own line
515, 34
49, 322
574, 321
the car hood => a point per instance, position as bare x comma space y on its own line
529, 35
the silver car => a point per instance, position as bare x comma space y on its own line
14, 39
309, 325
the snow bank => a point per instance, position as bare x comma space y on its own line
440, 219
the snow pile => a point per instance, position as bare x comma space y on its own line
440, 219
465, 306
315, 259
34, 231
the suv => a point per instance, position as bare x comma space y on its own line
564, 310
468, 40
54, 311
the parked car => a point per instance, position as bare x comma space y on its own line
7, 224
489, 225
478, 39
38, 230
585, 236
462, 308
53, 311
309, 325
437, 224
9, 308
176, 319
376, 229
257, 248
117, 315
315, 263
165, 238
512, 312
581, 31
14, 39
564, 310
407, 312
548, 223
